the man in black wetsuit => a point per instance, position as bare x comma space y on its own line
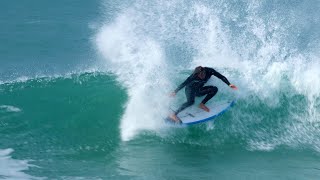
195, 87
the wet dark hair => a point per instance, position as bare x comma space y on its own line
199, 71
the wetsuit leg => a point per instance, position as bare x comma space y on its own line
190, 93
210, 91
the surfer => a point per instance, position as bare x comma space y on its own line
195, 87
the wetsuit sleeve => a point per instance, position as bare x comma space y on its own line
220, 76
187, 81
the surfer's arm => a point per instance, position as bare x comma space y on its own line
224, 79
220, 76
182, 85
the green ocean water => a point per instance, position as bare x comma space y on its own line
69, 127
84, 89
59, 117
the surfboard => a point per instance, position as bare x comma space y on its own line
195, 115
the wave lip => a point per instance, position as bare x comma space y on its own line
148, 46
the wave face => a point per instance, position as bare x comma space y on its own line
68, 128
54, 122
270, 50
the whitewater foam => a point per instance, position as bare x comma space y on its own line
253, 50
138, 62
9, 108
12, 168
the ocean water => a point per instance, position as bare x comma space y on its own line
84, 89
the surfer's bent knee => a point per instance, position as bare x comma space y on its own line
213, 90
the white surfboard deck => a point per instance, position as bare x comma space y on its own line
194, 115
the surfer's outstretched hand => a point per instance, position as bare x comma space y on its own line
233, 87
173, 94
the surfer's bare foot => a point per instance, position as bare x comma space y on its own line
204, 107
175, 118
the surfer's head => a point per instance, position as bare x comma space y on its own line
200, 72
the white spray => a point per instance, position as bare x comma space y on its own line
255, 58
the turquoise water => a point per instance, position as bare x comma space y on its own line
84, 89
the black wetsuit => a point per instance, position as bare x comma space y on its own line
195, 87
